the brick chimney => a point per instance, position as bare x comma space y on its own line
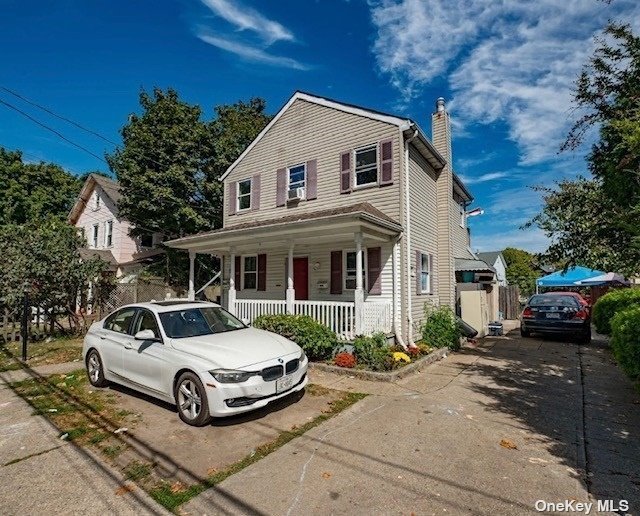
441, 139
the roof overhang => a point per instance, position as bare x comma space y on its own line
312, 231
81, 200
461, 189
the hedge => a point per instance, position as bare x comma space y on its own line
440, 328
625, 340
610, 304
315, 338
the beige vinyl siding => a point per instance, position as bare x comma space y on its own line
424, 228
320, 255
309, 131
459, 235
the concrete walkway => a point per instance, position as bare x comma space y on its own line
42, 474
487, 431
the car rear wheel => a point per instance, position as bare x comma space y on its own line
95, 371
585, 338
525, 333
191, 400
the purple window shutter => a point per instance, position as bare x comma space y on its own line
418, 272
231, 195
262, 272
345, 172
238, 273
312, 179
386, 163
336, 272
255, 192
281, 187
374, 264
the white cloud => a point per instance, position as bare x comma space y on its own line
245, 18
512, 61
490, 176
251, 53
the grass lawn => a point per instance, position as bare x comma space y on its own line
89, 417
57, 351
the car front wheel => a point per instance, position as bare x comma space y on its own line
191, 400
95, 371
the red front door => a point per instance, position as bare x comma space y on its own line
301, 277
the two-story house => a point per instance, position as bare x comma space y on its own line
346, 214
95, 214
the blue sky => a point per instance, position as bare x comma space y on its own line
505, 68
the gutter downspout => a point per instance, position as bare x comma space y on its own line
408, 235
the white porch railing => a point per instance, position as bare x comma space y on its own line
250, 309
339, 316
377, 317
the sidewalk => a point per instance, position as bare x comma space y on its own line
42, 474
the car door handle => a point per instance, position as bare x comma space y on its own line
127, 345
102, 337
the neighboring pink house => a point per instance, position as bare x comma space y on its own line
95, 214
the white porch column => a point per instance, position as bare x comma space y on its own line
359, 292
395, 320
191, 295
231, 297
291, 293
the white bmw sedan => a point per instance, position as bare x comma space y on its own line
194, 354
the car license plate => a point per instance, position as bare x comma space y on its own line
553, 316
284, 384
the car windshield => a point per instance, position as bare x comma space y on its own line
542, 300
193, 322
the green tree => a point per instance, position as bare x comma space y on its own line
45, 256
522, 269
596, 222
32, 191
169, 169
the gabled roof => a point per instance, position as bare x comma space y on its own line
404, 124
110, 188
491, 256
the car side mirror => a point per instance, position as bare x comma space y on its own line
146, 335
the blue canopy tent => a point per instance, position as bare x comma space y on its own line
567, 279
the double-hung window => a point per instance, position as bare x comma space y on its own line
250, 272
108, 233
366, 172
425, 271
297, 177
94, 236
244, 195
97, 203
350, 271
463, 215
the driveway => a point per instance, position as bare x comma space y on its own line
487, 430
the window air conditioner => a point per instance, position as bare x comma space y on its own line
296, 194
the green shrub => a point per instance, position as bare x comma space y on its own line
315, 338
609, 304
373, 352
440, 328
625, 340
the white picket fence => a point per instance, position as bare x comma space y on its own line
339, 316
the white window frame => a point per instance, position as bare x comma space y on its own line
426, 271
244, 271
463, 215
364, 269
367, 169
238, 209
94, 236
304, 181
108, 233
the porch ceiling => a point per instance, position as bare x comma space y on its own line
329, 226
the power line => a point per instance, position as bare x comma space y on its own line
60, 135
61, 117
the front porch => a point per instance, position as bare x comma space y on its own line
342, 269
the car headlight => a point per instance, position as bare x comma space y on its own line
230, 375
